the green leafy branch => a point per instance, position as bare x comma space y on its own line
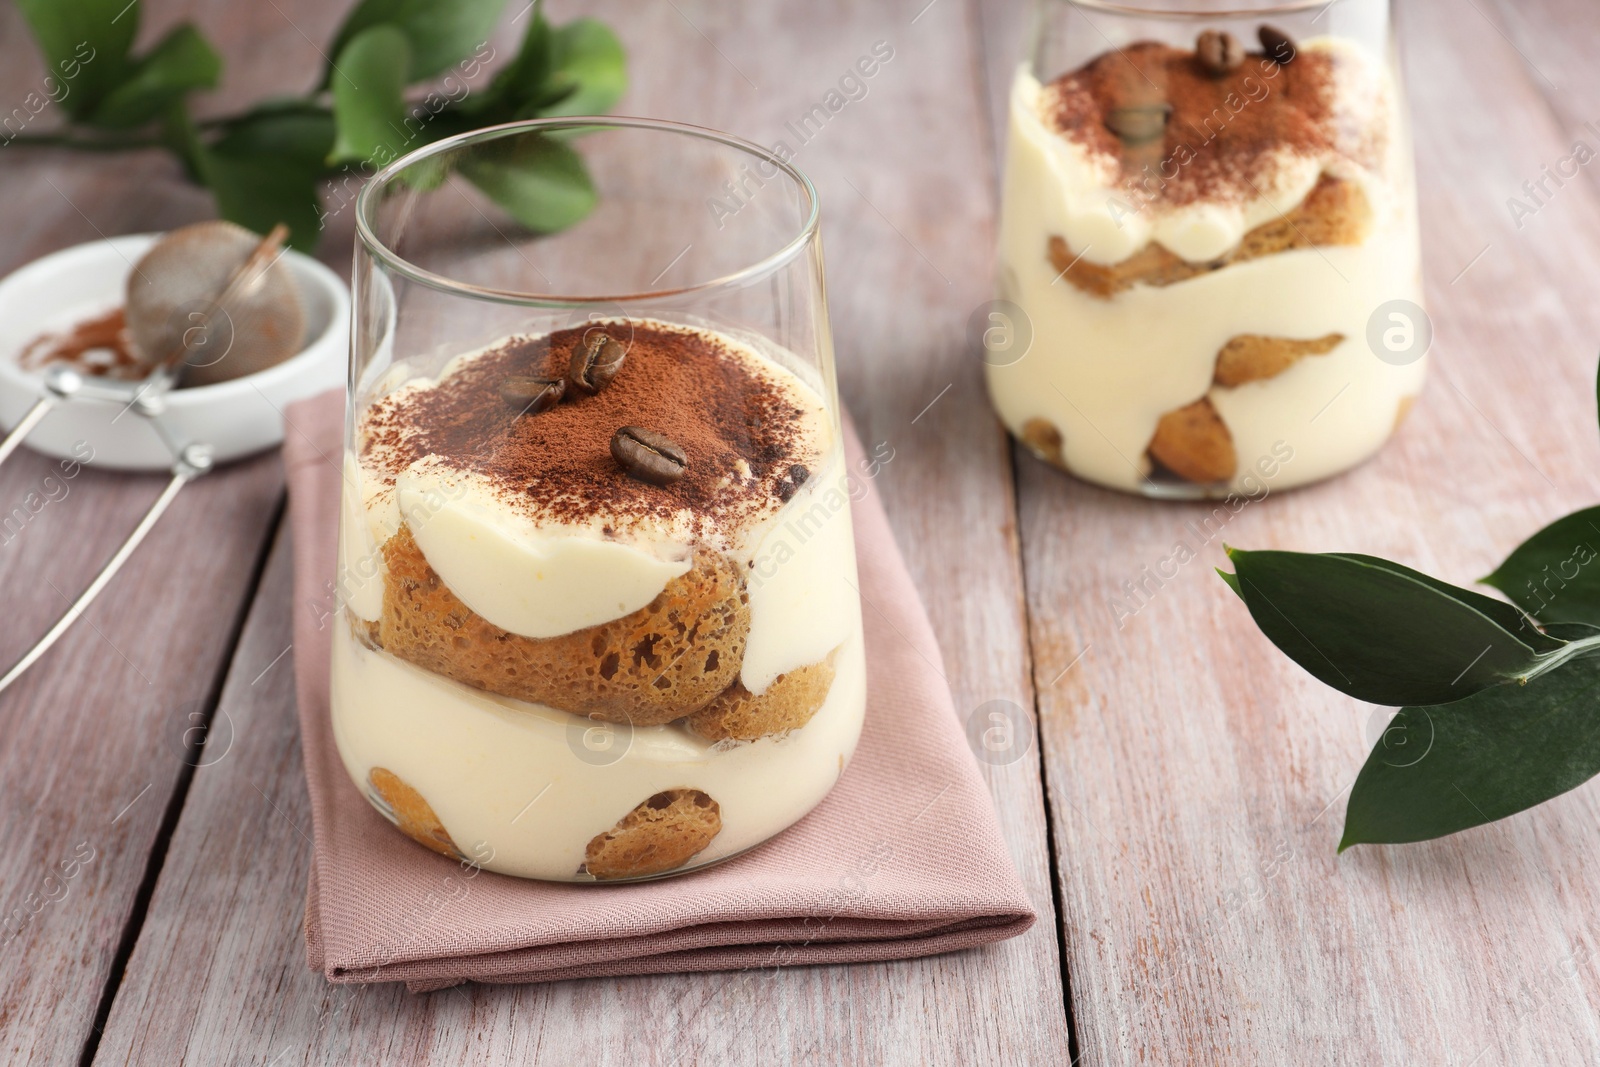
270, 163
1501, 700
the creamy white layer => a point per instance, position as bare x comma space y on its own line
531, 578
802, 580
1104, 371
529, 786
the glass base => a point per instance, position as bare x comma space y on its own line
1173, 490
580, 878
1152, 488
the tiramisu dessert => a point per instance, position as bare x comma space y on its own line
1200, 237
601, 601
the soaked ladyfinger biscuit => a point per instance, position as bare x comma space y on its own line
1194, 443
669, 659
788, 704
410, 812
663, 832
1335, 212
1046, 442
1254, 357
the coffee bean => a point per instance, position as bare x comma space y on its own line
596, 359
1140, 123
1219, 52
1278, 45
648, 456
532, 395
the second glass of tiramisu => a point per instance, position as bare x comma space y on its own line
1209, 271
598, 607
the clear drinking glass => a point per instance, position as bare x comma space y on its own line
1209, 272
599, 617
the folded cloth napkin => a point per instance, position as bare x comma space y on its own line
904, 858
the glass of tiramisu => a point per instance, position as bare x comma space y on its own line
598, 607
1209, 276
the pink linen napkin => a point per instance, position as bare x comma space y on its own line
904, 858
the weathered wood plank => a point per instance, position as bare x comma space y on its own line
95, 734
1197, 778
1550, 38
906, 181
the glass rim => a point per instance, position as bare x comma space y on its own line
1146, 10
375, 246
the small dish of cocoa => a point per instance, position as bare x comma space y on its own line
70, 311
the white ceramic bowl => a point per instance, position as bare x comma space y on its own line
236, 418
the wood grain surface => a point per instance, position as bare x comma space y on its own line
98, 737
1183, 867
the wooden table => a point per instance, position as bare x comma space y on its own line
1176, 819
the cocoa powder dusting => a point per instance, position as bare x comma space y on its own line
1224, 130
681, 383
96, 346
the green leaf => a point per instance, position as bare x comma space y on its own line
85, 45
368, 102
441, 32
1438, 770
1550, 575
541, 183
1376, 633
589, 70
302, 136
258, 193
524, 77
267, 169
1232, 580
426, 175
1508, 616
182, 139
181, 63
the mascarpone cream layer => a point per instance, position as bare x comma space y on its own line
528, 787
